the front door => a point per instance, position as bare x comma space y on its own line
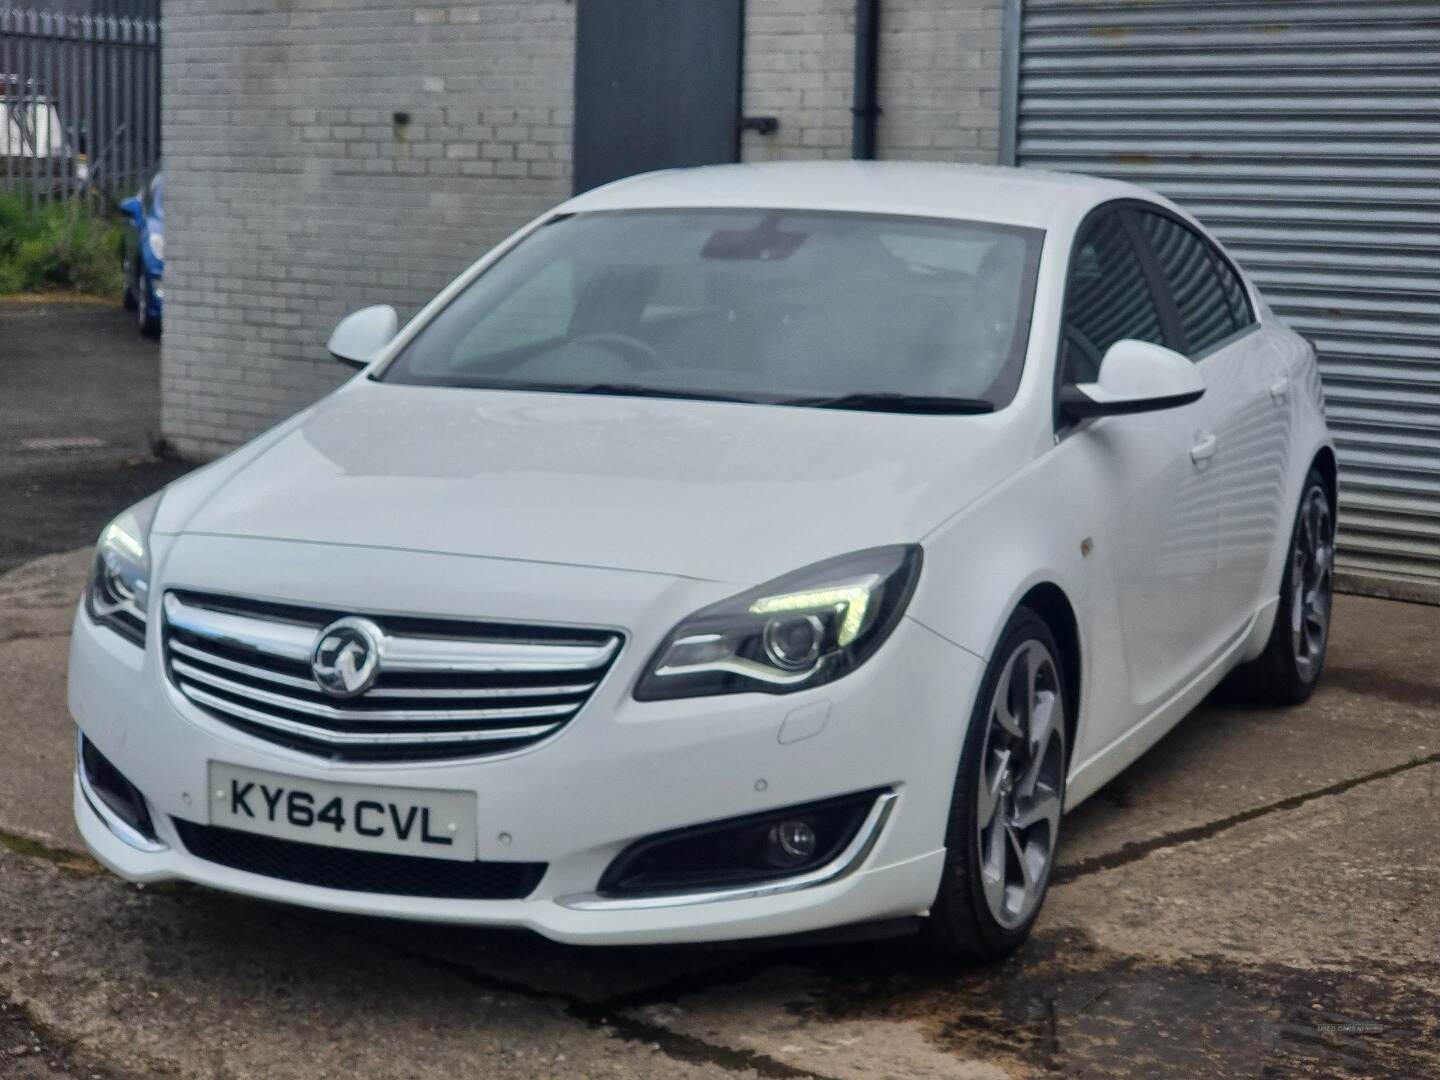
657, 86
1157, 540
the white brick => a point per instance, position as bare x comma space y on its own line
305, 203
294, 197
936, 57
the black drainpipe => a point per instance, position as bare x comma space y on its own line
867, 70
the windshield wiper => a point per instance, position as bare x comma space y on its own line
630, 390
882, 401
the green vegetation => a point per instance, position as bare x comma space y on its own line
69, 247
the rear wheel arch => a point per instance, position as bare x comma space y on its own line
1288, 667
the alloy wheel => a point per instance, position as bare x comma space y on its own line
1312, 582
1022, 774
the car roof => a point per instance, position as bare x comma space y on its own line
1012, 196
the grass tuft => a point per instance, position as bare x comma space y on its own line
58, 247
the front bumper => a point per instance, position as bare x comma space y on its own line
619, 771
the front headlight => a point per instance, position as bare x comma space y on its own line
793, 633
157, 245
119, 592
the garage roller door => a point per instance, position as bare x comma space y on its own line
1307, 135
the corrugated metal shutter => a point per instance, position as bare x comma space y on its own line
1307, 135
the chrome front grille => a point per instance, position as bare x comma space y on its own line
444, 688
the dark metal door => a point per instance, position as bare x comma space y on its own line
657, 85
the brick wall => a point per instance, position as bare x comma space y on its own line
939, 84
798, 68
940, 79
294, 198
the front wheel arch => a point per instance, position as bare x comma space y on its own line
1326, 465
1049, 602
963, 921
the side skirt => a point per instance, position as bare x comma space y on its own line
1090, 775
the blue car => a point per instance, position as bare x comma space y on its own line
144, 254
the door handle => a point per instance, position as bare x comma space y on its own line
1279, 389
1204, 450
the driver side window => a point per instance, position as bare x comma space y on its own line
540, 310
1107, 299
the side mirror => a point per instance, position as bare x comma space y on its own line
1135, 377
131, 207
361, 335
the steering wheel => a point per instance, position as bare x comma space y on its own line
639, 354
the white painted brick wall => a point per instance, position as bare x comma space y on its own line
293, 198
939, 82
799, 58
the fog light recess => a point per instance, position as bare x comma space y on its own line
109, 785
753, 849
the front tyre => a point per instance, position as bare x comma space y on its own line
149, 324
1288, 670
131, 275
1004, 824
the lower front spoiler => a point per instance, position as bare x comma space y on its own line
861, 894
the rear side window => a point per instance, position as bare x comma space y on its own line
1235, 294
1207, 314
1107, 299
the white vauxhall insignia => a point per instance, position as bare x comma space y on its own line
733, 552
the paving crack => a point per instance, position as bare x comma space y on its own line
19, 1019
688, 985
602, 1016
1139, 849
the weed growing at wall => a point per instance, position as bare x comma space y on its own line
68, 247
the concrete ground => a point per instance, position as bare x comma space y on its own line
79, 416
1258, 897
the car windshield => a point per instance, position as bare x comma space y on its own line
777, 306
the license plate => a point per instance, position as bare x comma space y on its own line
360, 817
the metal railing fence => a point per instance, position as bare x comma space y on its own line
79, 99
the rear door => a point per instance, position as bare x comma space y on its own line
1249, 401
657, 86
